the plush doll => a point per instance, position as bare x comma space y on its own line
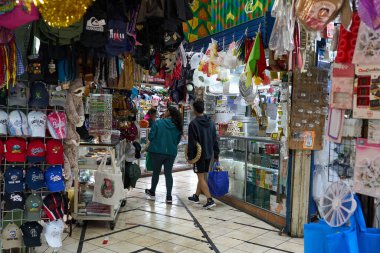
75, 118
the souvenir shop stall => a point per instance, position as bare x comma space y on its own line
248, 100
335, 113
70, 90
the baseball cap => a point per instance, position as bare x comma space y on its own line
57, 97
53, 233
35, 179
1, 151
3, 122
57, 124
14, 201
54, 152
18, 123
31, 234
37, 123
53, 205
11, 236
33, 207
36, 151
18, 95
54, 179
15, 150
14, 179
39, 96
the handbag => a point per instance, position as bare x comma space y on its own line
218, 181
108, 188
321, 238
148, 162
368, 238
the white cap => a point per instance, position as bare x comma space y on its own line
11, 236
18, 124
37, 123
53, 233
3, 122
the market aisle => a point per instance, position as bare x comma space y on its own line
146, 226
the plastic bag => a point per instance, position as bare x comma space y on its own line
218, 181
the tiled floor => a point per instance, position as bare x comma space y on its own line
147, 226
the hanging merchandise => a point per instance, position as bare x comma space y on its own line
366, 50
369, 12
8, 58
316, 14
309, 109
281, 39
95, 27
366, 90
63, 13
367, 168
256, 64
347, 41
342, 86
19, 16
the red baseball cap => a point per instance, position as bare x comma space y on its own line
16, 150
54, 152
1, 151
36, 151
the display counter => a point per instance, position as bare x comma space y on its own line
257, 175
90, 156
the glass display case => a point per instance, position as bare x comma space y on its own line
256, 174
90, 156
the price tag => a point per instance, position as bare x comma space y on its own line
143, 134
308, 142
240, 125
65, 86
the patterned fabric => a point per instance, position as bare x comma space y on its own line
200, 25
228, 13
20, 65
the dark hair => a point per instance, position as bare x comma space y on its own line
199, 106
152, 111
176, 118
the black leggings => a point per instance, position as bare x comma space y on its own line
157, 161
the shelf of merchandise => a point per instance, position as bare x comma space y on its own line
84, 189
256, 186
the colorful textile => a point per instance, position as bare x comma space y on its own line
228, 13
200, 25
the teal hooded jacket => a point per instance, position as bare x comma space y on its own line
164, 138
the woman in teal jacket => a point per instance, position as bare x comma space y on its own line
164, 138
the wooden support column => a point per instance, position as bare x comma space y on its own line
300, 191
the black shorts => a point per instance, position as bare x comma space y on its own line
202, 166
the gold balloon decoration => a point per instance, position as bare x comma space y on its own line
63, 13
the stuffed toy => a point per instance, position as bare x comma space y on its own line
75, 118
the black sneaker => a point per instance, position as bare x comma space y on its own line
210, 204
169, 199
150, 195
194, 198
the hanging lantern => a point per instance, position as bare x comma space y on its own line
58, 13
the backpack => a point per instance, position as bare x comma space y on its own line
58, 36
94, 27
117, 37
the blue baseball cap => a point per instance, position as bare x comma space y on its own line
35, 179
14, 179
54, 179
